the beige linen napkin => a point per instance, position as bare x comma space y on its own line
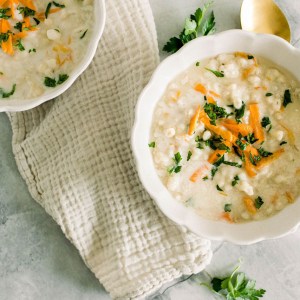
74, 154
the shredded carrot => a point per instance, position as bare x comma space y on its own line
249, 205
255, 122
217, 154
214, 94
243, 129
211, 100
241, 54
7, 46
247, 72
28, 3
197, 173
290, 197
2, 2
226, 216
249, 167
267, 160
200, 88
194, 121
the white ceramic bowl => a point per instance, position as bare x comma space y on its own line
268, 46
21, 104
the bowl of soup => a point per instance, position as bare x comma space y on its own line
44, 47
216, 137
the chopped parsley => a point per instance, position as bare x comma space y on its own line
214, 112
176, 168
264, 153
258, 202
214, 170
18, 26
37, 21
26, 11
254, 159
58, 4
216, 73
239, 113
269, 94
218, 188
189, 155
266, 122
199, 141
51, 82
4, 37
193, 25
3, 13
235, 180
32, 50
227, 207
151, 145
287, 98
83, 35
282, 143
222, 160
250, 56
48, 9
19, 45
4, 94
197, 64
205, 178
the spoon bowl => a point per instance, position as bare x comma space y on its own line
264, 16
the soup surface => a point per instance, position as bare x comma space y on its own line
225, 138
41, 44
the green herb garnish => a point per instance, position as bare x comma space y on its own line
258, 202
58, 4
48, 9
151, 145
18, 26
266, 122
214, 170
239, 113
250, 56
282, 143
4, 94
83, 35
51, 82
264, 153
269, 94
176, 168
189, 155
193, 25
62, 78
235, 180
235, 287
197, 64
19, 45
3, 13
287, 98
205, 178
26, 11
4, 37
216, 73
218, 188
214, 112
227, 207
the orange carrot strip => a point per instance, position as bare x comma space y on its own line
2, 2
54, 10
267, 160
28, 3
197, 173
249, 205
5, 26
217, 154
214, 94
211, 100
243, 129
249, 167
247, 72
290, 197
225, 134
194, 121
200, 88
19, 35
255, 122
227, 217
7, 46
241, 54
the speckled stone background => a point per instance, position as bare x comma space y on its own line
38, 263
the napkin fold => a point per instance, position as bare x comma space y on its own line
74, 154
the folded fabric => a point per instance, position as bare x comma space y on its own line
74, 154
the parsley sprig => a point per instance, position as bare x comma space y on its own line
176, 168
236, 286
195, 24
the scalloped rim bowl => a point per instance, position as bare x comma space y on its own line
21, 104
268, 46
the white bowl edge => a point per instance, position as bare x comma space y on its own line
284, 55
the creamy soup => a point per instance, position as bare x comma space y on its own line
225, 138
41, 44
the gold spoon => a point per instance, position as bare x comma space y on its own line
264, 16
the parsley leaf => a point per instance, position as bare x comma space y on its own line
216, 73
26, 11
282, 143
227, 207
83, 35
151, 145
18, 26
176, 168
269, 94
236, 286
214, 112
239, 112
191, 29
58, 4
20, 45
8, 94
214, 170
287, 98
3, 13
235, 180
62, 78
48, 9
264, 153
218, 188
189, 155
205, 178
51, 82
266, 122
258, 202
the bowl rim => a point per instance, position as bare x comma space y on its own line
16, 105
241, 233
